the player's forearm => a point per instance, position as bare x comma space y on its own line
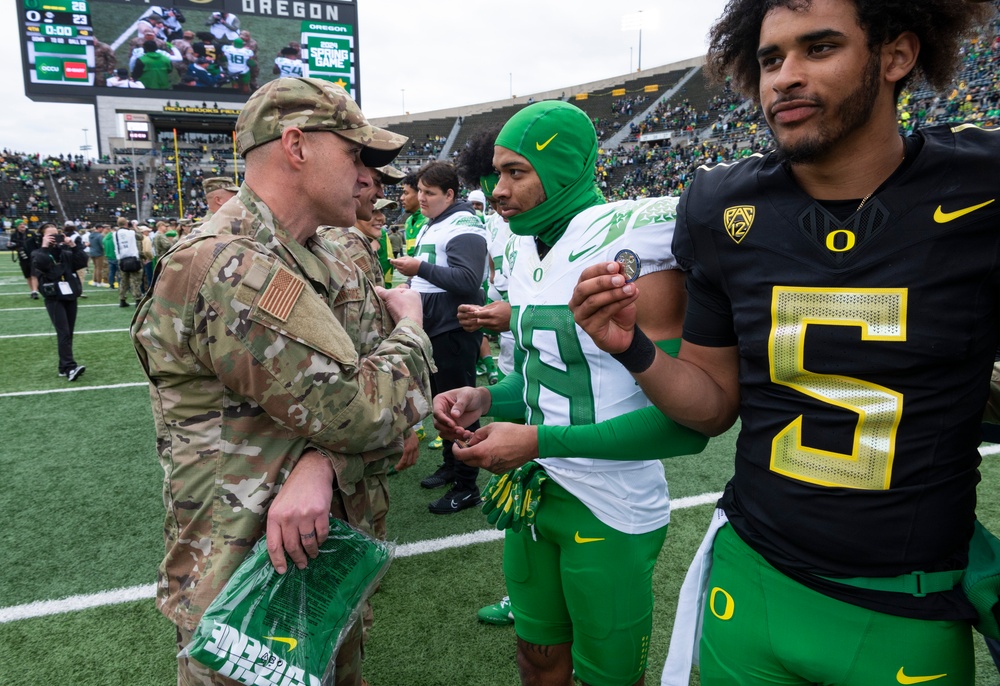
700, 395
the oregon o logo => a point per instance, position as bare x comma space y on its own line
730, 607
537, 276
831, 240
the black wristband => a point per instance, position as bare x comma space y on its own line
639, 355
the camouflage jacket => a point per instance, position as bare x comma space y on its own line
251, 343
358, 247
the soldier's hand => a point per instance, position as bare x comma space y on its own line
298, 520
402, 302
411, 451
456, 409
604, 306
407, 266
499, 447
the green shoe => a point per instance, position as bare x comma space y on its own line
498, 613
435, 444
421, 433
480, 369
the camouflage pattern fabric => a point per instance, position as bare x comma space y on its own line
358, 246
310, 105
245, 343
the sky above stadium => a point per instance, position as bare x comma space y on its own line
431, 54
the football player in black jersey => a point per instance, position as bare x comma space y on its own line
844, 294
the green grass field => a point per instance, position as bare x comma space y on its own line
82, 515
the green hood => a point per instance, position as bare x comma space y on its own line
559, 141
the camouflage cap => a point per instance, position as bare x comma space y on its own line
383, 204
312, 105
219, 183
390, 174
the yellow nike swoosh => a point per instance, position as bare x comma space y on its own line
942, 217
542, 146
579, 539
903, 679
292, 643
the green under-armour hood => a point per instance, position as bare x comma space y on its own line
559, 141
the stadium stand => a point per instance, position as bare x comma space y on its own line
700, 123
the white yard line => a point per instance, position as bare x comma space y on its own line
42, 308
76, 603
72, 389
53, 333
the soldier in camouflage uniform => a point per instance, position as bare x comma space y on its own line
279, 380
359, 248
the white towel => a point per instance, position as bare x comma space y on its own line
686, 635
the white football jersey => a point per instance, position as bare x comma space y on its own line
432, 244
498, 234
287, 67
237, 59
568, 380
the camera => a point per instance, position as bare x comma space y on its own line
58, 238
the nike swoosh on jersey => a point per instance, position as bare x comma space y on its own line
942, 217
541, 146
292, 643
903, 679
580, 539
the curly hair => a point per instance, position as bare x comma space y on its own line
476, 159
941, 26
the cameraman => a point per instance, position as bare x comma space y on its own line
55, 265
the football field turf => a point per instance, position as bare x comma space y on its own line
82, 518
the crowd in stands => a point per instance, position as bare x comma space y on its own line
724, 129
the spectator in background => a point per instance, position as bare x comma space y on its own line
24, 241
55, 264
146, 256
96, 250
128, 251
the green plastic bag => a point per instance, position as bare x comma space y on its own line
268, 629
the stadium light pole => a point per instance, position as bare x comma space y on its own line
85, 148
403, 91
637, 21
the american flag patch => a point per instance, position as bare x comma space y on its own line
281, 294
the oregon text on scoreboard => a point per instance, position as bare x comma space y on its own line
71, 48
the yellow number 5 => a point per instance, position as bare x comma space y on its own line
880, 313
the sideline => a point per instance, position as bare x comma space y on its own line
76, 603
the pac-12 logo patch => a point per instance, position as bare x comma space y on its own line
738, 221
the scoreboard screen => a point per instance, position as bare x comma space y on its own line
218, 50
60, 41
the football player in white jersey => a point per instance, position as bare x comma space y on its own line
592, 440
288, 63
447, 270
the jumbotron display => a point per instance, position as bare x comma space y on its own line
74, 50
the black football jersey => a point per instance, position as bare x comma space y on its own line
866, 344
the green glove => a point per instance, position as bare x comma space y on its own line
511, 499
532, 496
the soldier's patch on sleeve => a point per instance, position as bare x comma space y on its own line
280, 296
